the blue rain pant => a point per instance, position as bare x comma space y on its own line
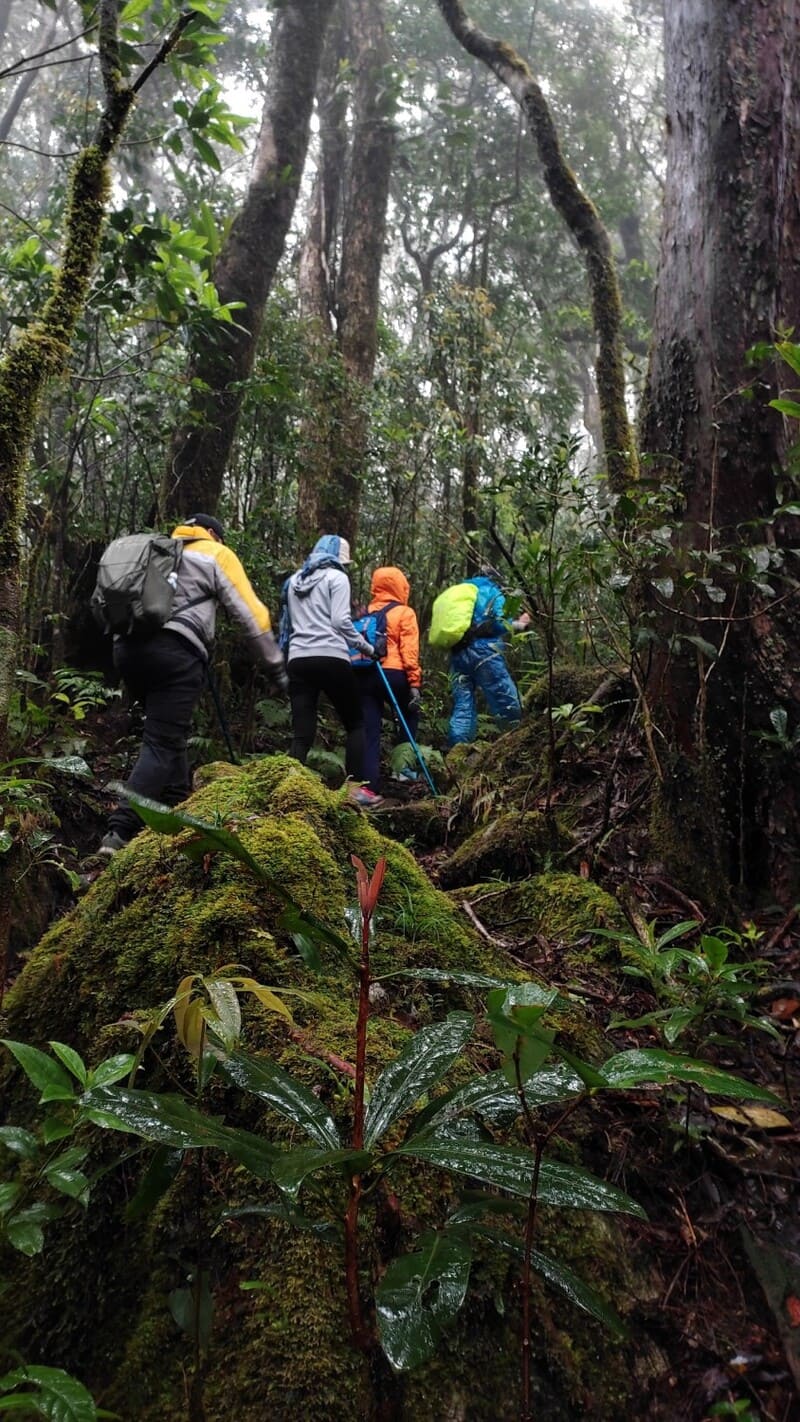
481, 666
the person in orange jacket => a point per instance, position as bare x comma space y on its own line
390, 589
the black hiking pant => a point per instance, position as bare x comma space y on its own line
373, 698
308, 677
167, 675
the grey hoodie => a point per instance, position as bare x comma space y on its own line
319, 612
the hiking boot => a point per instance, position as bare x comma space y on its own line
366, 798
111, 843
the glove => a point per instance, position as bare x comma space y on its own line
373, 653
279, 682
414, 699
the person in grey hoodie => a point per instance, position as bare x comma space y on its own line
317, 631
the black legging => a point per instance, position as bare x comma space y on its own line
308, 676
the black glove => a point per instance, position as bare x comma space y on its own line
414, 698
373, 653
279, 681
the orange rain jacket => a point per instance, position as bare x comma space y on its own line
402, 632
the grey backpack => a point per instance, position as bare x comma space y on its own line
136, 584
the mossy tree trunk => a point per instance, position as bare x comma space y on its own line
41, 350
729, 278
588, 231
247, 262
329, 489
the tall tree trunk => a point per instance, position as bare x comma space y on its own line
316, 288
247, 262
729, 277
5, 16
363, 237
40, 351
583, 221
28, 79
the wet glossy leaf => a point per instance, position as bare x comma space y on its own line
418, 1296
437, 975
271, 1083
292, 1167
171, 1121
111, 1070
423, 1062
10, 1191
512, 1170
43, 1071
19, 1140
493, 1098
225, 1002
634, 1068
155, 1182
52, 1393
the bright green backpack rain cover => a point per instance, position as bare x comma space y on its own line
452, 614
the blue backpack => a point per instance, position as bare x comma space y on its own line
285, 622
372, 627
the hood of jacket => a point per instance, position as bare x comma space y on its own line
389, 585
325, 554
194, 531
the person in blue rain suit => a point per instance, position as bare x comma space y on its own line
478, 663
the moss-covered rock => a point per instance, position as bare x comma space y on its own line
558, 907
510, 846
96, 1300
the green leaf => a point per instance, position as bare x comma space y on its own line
418, 1296
57, 1396
171, 1121
134, 9
62, 1175
71, 1060
436, 975
45, 1073
205, 152
560, 1277
493, 1098
790, 353
111, 1070
291, 1168
155, 1182
25, 1235
193, 1309
19, 1140
10, 1191
786, 407
271, 1083
512, 1170
421, 1064
633, 1068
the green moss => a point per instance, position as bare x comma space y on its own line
95, 1302
510, 846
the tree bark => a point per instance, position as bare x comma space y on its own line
246, 265
729, 278
28, 79
583, 221
363, 238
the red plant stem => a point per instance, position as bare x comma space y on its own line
530, 1230
358, 1329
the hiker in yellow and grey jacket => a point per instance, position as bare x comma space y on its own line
166, 671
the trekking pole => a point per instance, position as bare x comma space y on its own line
401, 718
224, 727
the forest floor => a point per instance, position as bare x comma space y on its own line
719, 1181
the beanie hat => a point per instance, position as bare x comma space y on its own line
208, 522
